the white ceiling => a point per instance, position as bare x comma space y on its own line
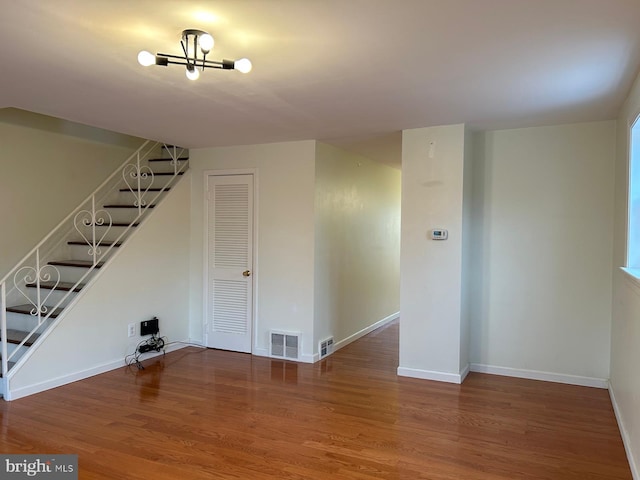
354, 72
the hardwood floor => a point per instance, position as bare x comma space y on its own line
200, 414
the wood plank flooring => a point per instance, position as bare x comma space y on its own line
209, 414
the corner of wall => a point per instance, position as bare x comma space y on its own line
467, 249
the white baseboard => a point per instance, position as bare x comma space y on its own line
308, 358
465, 371
626, 441
359, 334
14, 394
538, 375
260, 352
431, 375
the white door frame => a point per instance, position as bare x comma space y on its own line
255, 270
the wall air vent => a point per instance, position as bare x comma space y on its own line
325, 347
285, 345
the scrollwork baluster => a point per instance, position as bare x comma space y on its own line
138, 173
93, 218
175, 158
36, 275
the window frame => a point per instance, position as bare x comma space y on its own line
631, 267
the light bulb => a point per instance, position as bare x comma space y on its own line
192, 73
243, 65
146, 58
206, 43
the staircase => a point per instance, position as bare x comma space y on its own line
47, 282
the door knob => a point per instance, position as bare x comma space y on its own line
246, 273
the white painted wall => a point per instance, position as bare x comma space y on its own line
625, 331
149, 276
431, 271
48, 167
283, 268
543, 200
357, 243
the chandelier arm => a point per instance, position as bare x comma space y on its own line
206, 63
184, 49
177, 62
185, 64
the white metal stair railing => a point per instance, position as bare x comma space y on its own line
39, 278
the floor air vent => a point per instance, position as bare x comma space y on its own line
326, 347
285, 345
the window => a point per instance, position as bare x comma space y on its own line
633, 236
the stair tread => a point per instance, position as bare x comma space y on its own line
26, 309
61, 286
180, 159
165, 174
126, 206
147, 190
76, 263
118, 224
17, 336
101, 244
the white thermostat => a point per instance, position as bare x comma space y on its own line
439, 234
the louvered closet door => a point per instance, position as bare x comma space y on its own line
230, 262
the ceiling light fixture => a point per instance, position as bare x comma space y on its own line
196, 45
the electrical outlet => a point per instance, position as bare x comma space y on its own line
132, 330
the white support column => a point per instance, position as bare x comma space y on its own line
431, 269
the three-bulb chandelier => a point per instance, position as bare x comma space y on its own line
194, 42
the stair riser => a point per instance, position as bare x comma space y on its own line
74, 274
11, 347
81, 252
110, 234
19, 352
18, 321
50, 297
128, 198
160, 169
158, 181
124, 215
165, 167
